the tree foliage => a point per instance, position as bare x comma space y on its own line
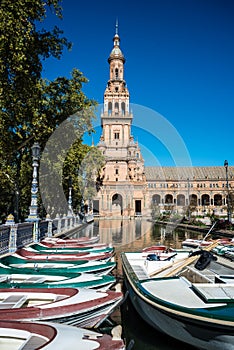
31, 108
89, 174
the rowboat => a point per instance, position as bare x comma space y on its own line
67, 240
92, 266
29, 254
82, 307
15, 278
76, 246
155, 248
195, 243
223, 249
188, 299
15, 335
201, 243
41, 248
159, 252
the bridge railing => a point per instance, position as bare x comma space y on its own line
4, 238
14, 236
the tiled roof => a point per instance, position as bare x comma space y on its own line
184, 173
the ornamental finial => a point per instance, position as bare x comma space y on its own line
116, 26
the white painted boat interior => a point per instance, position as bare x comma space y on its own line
144, 268
84, 295
11, 300
183, 295
15, 339
24, 278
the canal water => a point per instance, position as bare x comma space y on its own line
133, 235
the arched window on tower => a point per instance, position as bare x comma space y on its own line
109, 108
116, 73
116, 107
123, 108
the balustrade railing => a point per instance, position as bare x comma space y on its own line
14, 236
24, 234
4, 238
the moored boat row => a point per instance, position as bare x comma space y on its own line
68, 287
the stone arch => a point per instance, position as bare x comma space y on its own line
181, 200
109, 108
123, 108
193, 200
116, 108
168, 199
156, 199
205, 198
116, 73
218, 199
117, 203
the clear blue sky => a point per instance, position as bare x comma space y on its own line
179, 62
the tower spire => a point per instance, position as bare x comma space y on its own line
116, 27
116, 51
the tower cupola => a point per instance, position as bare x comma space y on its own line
116, 52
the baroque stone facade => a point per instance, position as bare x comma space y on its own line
131, 189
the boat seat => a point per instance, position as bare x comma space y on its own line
224, 279
13, 301
3, 278
140, 272
34, 279
59, 297
34, 342
218, 292
201, 277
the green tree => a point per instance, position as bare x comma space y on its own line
90, 174
31, 108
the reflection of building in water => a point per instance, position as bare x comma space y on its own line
122, 232
87, 231
130, 189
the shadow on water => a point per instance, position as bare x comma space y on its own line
144, 336
133, 235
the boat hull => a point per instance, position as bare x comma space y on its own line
83, 307
38, 247
30, 255
98, 270
87, 266
52, 336
20, 280
68, 240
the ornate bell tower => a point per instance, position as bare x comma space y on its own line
124, 186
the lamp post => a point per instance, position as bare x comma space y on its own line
189, 213
228, 197
33, 209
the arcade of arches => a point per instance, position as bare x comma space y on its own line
203, 189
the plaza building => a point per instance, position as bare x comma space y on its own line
129, 188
